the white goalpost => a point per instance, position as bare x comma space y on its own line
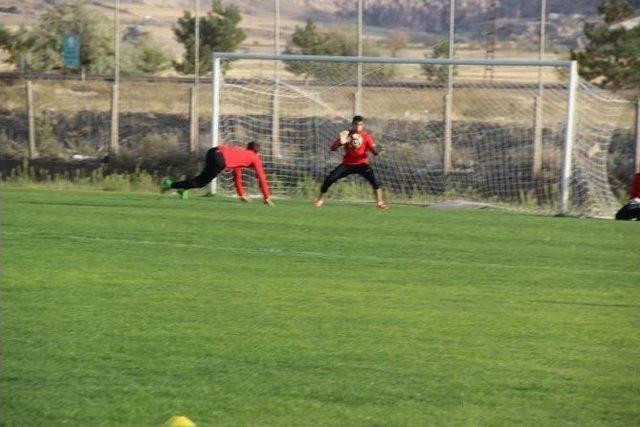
474, 141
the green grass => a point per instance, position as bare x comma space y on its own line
128, 308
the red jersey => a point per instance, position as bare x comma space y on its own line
237, 158
356, 153
635, 187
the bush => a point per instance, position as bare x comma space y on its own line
8, 149
159, 149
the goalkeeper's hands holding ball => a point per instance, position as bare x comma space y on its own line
344, 137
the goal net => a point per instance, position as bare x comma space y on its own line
531, 137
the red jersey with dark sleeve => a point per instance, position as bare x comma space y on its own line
354, 153
635, 187
237, 158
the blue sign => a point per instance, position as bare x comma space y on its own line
70, 51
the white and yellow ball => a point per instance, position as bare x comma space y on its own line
355, 140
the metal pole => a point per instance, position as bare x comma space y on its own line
276, 30
195, 97
357, 108
568, 138
114, 148
397, 60
446, 156
543, 15
275, 116
538, 116
193, 121
452, 15
537, 137
448, 99
215, 112
197, 44
116, 43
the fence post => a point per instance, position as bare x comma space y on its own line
275, 122
537, 137
32, 152
638, 135
194, 127
446, 158
114, 143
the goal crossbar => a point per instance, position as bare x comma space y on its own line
404, 60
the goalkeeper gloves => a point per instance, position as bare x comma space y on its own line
344, 137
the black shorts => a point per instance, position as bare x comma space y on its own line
213, 165
631, 210
342, 170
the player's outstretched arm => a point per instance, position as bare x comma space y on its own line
262, 182
237, 181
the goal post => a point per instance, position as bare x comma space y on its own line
490, 123
568, 137
215, 112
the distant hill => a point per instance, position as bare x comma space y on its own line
425, 21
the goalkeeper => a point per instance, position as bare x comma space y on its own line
357, 143
631, 210
224, 157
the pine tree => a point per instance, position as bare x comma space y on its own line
219, 31
438, 73
308, 40
612, 56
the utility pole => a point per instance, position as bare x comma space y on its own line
197, 44
358, 101
541, 40
114, 146
491, 38
538, 116
194, 110
275, 114
448, 98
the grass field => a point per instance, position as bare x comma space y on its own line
128, 308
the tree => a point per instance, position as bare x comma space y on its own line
612, 55
396, 42
141, 55
438, 73
8, 42
308, 40
614, 11
218, 32
40, 47
5, 36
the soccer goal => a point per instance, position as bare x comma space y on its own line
532, 136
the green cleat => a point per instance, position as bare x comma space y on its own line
166, 185
184, 194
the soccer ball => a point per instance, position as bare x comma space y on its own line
356, 140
